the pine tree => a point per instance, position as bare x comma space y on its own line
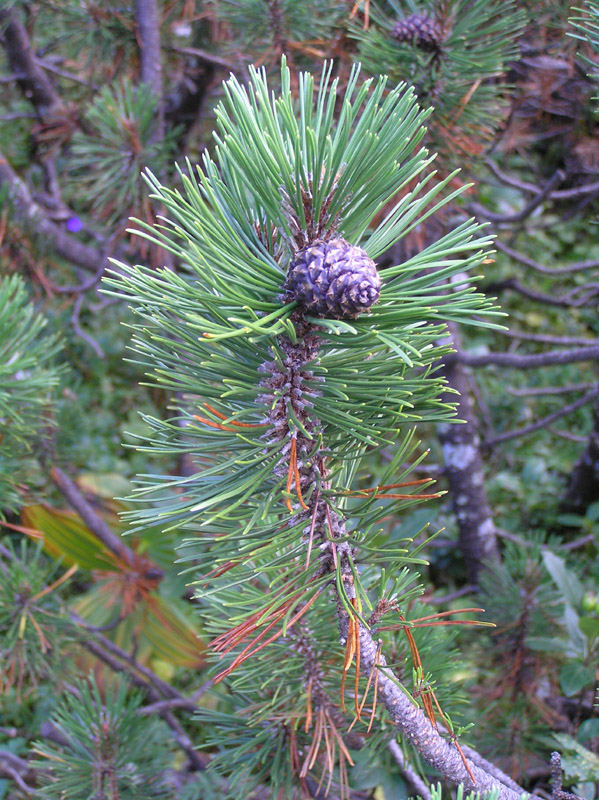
283, 399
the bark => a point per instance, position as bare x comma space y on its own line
147, 16
465, 476
413, 725
31, 78
34, 219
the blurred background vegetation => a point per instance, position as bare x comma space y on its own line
104, 678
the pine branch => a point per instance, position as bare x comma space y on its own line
517, 361
31, 78
579, 266
411, 776
96, 524
297, 359
33, 217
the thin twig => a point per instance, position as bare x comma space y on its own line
203, 55
79, 330
516, 361
520, 216
564, 341
541, 423
531, 188
13, 767
567, 300
95, 523
540, 391
579, 266
571, 437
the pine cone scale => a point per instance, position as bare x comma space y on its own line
420, 29
333, 279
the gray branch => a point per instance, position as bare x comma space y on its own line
33, 218
95, 523
409, 774
32, 79
147, 16
542, 423
516, 361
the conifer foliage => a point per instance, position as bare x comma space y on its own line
455, 53
278, 405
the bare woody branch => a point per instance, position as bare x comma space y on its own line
517, 361
95, 523
578, 266
414, 726
32, 217
34, 83
541, 423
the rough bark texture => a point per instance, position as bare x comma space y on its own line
583, 487
294, 384
147, 16
34, 219
414, 726
32, 80
148, 26
465, 476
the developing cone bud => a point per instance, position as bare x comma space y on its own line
421, 29
334, 279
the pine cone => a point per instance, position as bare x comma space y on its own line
421, 29
333, 279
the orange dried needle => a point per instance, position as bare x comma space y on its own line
245, 655
376, 684
234, 422
308, 724
290, 475
350, 647
71, 570
357, 651
296, 474
214, 424
312, 526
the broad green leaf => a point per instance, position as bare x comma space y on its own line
67, 537
589, 626
575, 676
566, 581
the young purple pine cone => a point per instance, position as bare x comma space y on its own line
421, 29
333, 279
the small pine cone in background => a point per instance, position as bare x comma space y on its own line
333, 279
421, 29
